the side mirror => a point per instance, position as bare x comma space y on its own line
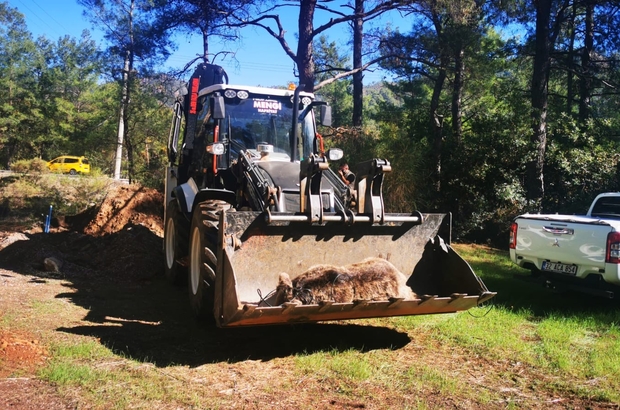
334, 154
326, 115
218, 108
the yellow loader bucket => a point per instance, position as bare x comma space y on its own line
252, 252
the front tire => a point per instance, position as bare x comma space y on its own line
176, 240
202, 256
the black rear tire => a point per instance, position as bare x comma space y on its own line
203, 237
176, 244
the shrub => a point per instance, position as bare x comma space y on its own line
21, 166
38, 166
30, 166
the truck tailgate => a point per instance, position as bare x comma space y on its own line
573, 245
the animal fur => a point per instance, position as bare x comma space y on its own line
371, 279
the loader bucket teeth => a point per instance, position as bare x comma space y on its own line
252, 253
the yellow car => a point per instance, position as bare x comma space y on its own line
69, 165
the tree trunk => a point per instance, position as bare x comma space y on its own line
436, 119
457, 93
125, 97
570, 62
305, 59
120, 136
358, 86
585, 83
130, 160
436, 125
540, 80
205, 46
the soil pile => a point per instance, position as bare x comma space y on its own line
20, 352
124, 205
121, 237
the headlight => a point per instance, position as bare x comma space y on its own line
264, 148
215, 148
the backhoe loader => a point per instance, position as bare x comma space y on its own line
251, 193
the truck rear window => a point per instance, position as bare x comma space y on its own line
607, 206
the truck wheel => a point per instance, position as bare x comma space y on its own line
176, 240
202, 256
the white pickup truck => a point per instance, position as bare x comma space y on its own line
578, 252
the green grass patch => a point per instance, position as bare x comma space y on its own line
110, 381
77, 351
66, 373
571, 336
48, 307
425, 377
70, 363
349, 365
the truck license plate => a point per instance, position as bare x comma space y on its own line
559, 267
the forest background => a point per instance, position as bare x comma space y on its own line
473, 121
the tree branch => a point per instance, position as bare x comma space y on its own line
347, 73
278, 36
381, 8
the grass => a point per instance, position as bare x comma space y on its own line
349, 365
106, 379
567, 336
72, 363
48, 307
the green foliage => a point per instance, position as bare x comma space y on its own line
38, 166
30, 166
339, 93
18, 108
147, 134
483, 172
358, 145
68, 75
580, 164
29, 196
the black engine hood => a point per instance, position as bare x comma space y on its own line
283, 174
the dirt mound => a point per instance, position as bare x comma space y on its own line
20, 353
122, 238
123, 205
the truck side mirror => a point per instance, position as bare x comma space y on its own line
326, 115
218, 109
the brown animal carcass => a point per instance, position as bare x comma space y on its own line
371, 279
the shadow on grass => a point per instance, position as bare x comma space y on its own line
155, 323
133, 311
514, 292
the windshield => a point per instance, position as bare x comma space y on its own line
265, 120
